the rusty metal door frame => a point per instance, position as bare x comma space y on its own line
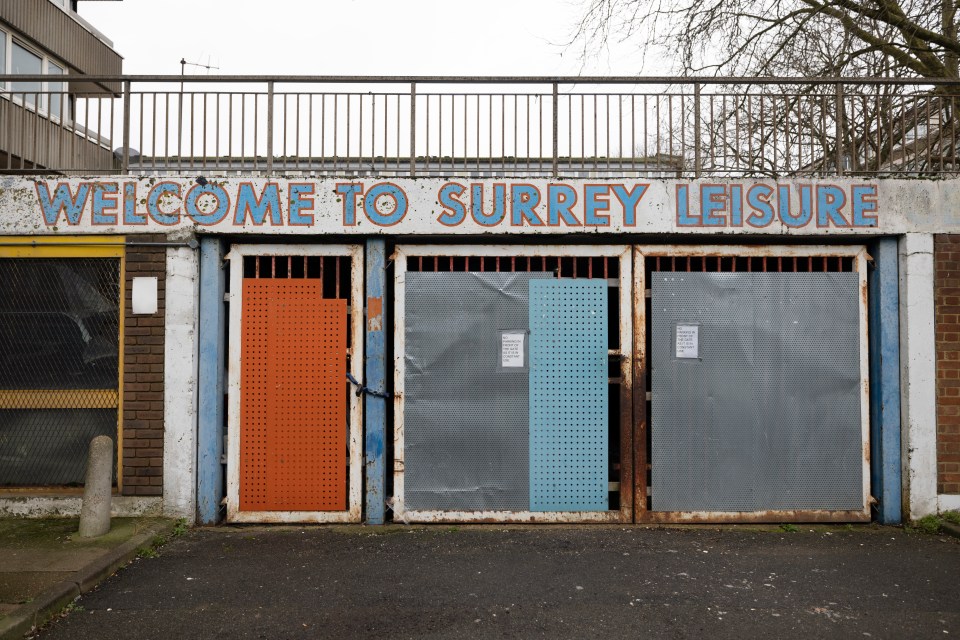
622, 253
858, 254
355, 409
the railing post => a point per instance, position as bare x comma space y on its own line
697, 160
556, 131
270, 128
839, 132
413, 129
125, 161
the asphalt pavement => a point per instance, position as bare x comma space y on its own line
530, 582
45, 564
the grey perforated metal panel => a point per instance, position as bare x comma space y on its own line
768, 416
466, 419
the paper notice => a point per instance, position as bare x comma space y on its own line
511, 349
688, 341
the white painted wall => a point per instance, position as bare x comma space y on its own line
918, 376
181, 358
28, 506
948, 502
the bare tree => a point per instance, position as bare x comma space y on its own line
772, 37
802, 127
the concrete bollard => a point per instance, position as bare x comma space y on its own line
95, 512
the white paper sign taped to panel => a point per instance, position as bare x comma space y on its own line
688, 341
511, 349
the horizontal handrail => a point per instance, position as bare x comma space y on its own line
641, 80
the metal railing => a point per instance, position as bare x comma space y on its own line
484, 126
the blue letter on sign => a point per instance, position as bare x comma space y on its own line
385, 219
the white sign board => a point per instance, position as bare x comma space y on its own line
475, 206
144, 296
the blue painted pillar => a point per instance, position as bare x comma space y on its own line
884, 329
211, 420
375, 408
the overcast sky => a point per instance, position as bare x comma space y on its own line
353, 37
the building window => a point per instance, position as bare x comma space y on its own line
24, 61
56, 89
48, 96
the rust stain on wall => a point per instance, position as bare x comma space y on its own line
374, 314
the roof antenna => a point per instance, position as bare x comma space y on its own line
184, 63
183, 67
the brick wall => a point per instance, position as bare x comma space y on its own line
143, 376
946, 255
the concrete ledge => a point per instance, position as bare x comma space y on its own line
105, 566
39, 506
36, 612
49, 603
950, 529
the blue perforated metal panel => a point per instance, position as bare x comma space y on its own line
568, 395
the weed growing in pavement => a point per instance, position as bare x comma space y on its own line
180, 528
73, 607
152, 551
789, 528
927, 524
953, 517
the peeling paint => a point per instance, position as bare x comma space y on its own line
374, 314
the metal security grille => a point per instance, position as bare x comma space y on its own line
59, 365
293, 416
563, 484
767, 416
782, 428
750, 264
560, 266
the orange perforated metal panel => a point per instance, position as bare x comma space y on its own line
293, 407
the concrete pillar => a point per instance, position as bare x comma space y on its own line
181, 354
918, 400
95, 511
